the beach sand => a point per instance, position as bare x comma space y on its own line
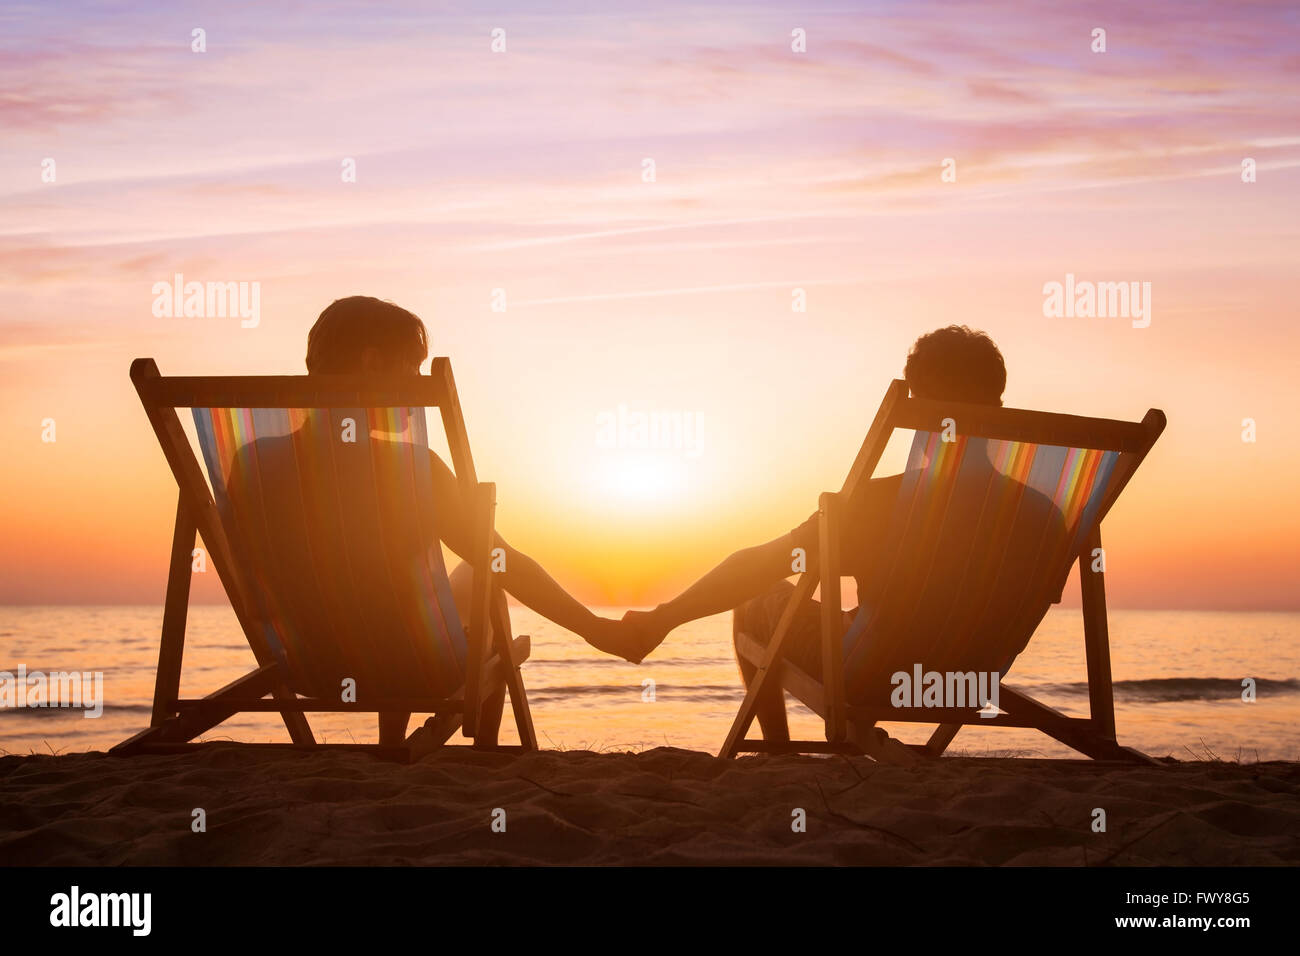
663, 806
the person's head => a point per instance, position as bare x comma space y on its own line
362, 334
957, 364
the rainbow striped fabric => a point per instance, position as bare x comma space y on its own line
980, 542
330, 515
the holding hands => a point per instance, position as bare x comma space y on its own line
632, 638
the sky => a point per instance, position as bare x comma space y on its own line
647, 188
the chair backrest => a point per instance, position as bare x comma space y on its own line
321, 522
329, 513
992, 509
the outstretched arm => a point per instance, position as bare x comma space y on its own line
522, 576
528, 581
748, 573
739, 577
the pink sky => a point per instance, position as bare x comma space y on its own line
775, 170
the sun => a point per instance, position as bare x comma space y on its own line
637, 476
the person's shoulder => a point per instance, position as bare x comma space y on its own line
1036, 507
1034, 498
886, 484
266, 451
271, 443
877, 492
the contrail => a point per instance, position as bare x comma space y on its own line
634, 230
690, 290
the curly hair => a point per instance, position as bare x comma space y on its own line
956, 363
349, 326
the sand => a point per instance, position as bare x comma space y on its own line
664, 806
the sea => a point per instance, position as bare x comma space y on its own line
1194, 685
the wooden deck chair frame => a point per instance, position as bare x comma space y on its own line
476, 708
1093, 736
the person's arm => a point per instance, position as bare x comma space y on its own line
748, 573
738, 578
741, 576
528, 581
523, 577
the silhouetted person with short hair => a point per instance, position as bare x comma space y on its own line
954, 364
302, 526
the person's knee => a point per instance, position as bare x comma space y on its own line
462, 575
462, 593
738, 615
462, 589
757, 617
743, 618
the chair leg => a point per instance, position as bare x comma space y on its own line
523, 718
1086, 740
770, 707
769, 670
514, 652
939, 740
489, 717
1096, 636
392, 728
171, 650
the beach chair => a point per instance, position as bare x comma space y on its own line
956, 625
384, 637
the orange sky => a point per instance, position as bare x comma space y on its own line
775, 170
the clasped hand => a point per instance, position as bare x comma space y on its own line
632, 638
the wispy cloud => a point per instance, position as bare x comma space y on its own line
692, 290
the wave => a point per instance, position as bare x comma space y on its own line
1154, 690
1168, 689
48, 712
580, 693
617, 662
1180, 688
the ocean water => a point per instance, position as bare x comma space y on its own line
1178, 684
